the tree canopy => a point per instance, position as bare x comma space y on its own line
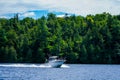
90, 39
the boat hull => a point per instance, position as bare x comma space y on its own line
56, 64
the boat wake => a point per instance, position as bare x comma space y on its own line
31, 65
64, 66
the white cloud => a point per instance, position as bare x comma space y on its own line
60, 15
27, 14
3, 17
63, 15
80, 7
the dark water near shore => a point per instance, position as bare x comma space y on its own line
66, 72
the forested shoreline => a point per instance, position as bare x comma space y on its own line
94, 39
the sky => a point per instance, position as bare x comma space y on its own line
32, 8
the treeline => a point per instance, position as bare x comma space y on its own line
90, 39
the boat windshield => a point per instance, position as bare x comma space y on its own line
53, 57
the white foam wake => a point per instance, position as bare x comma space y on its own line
65, 66
30, 65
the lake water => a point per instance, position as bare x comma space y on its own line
66, 72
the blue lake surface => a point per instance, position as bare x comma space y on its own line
66, 72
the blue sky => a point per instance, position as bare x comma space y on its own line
36, 8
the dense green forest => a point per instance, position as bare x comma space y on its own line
91, 39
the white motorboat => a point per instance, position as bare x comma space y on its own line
55, 62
